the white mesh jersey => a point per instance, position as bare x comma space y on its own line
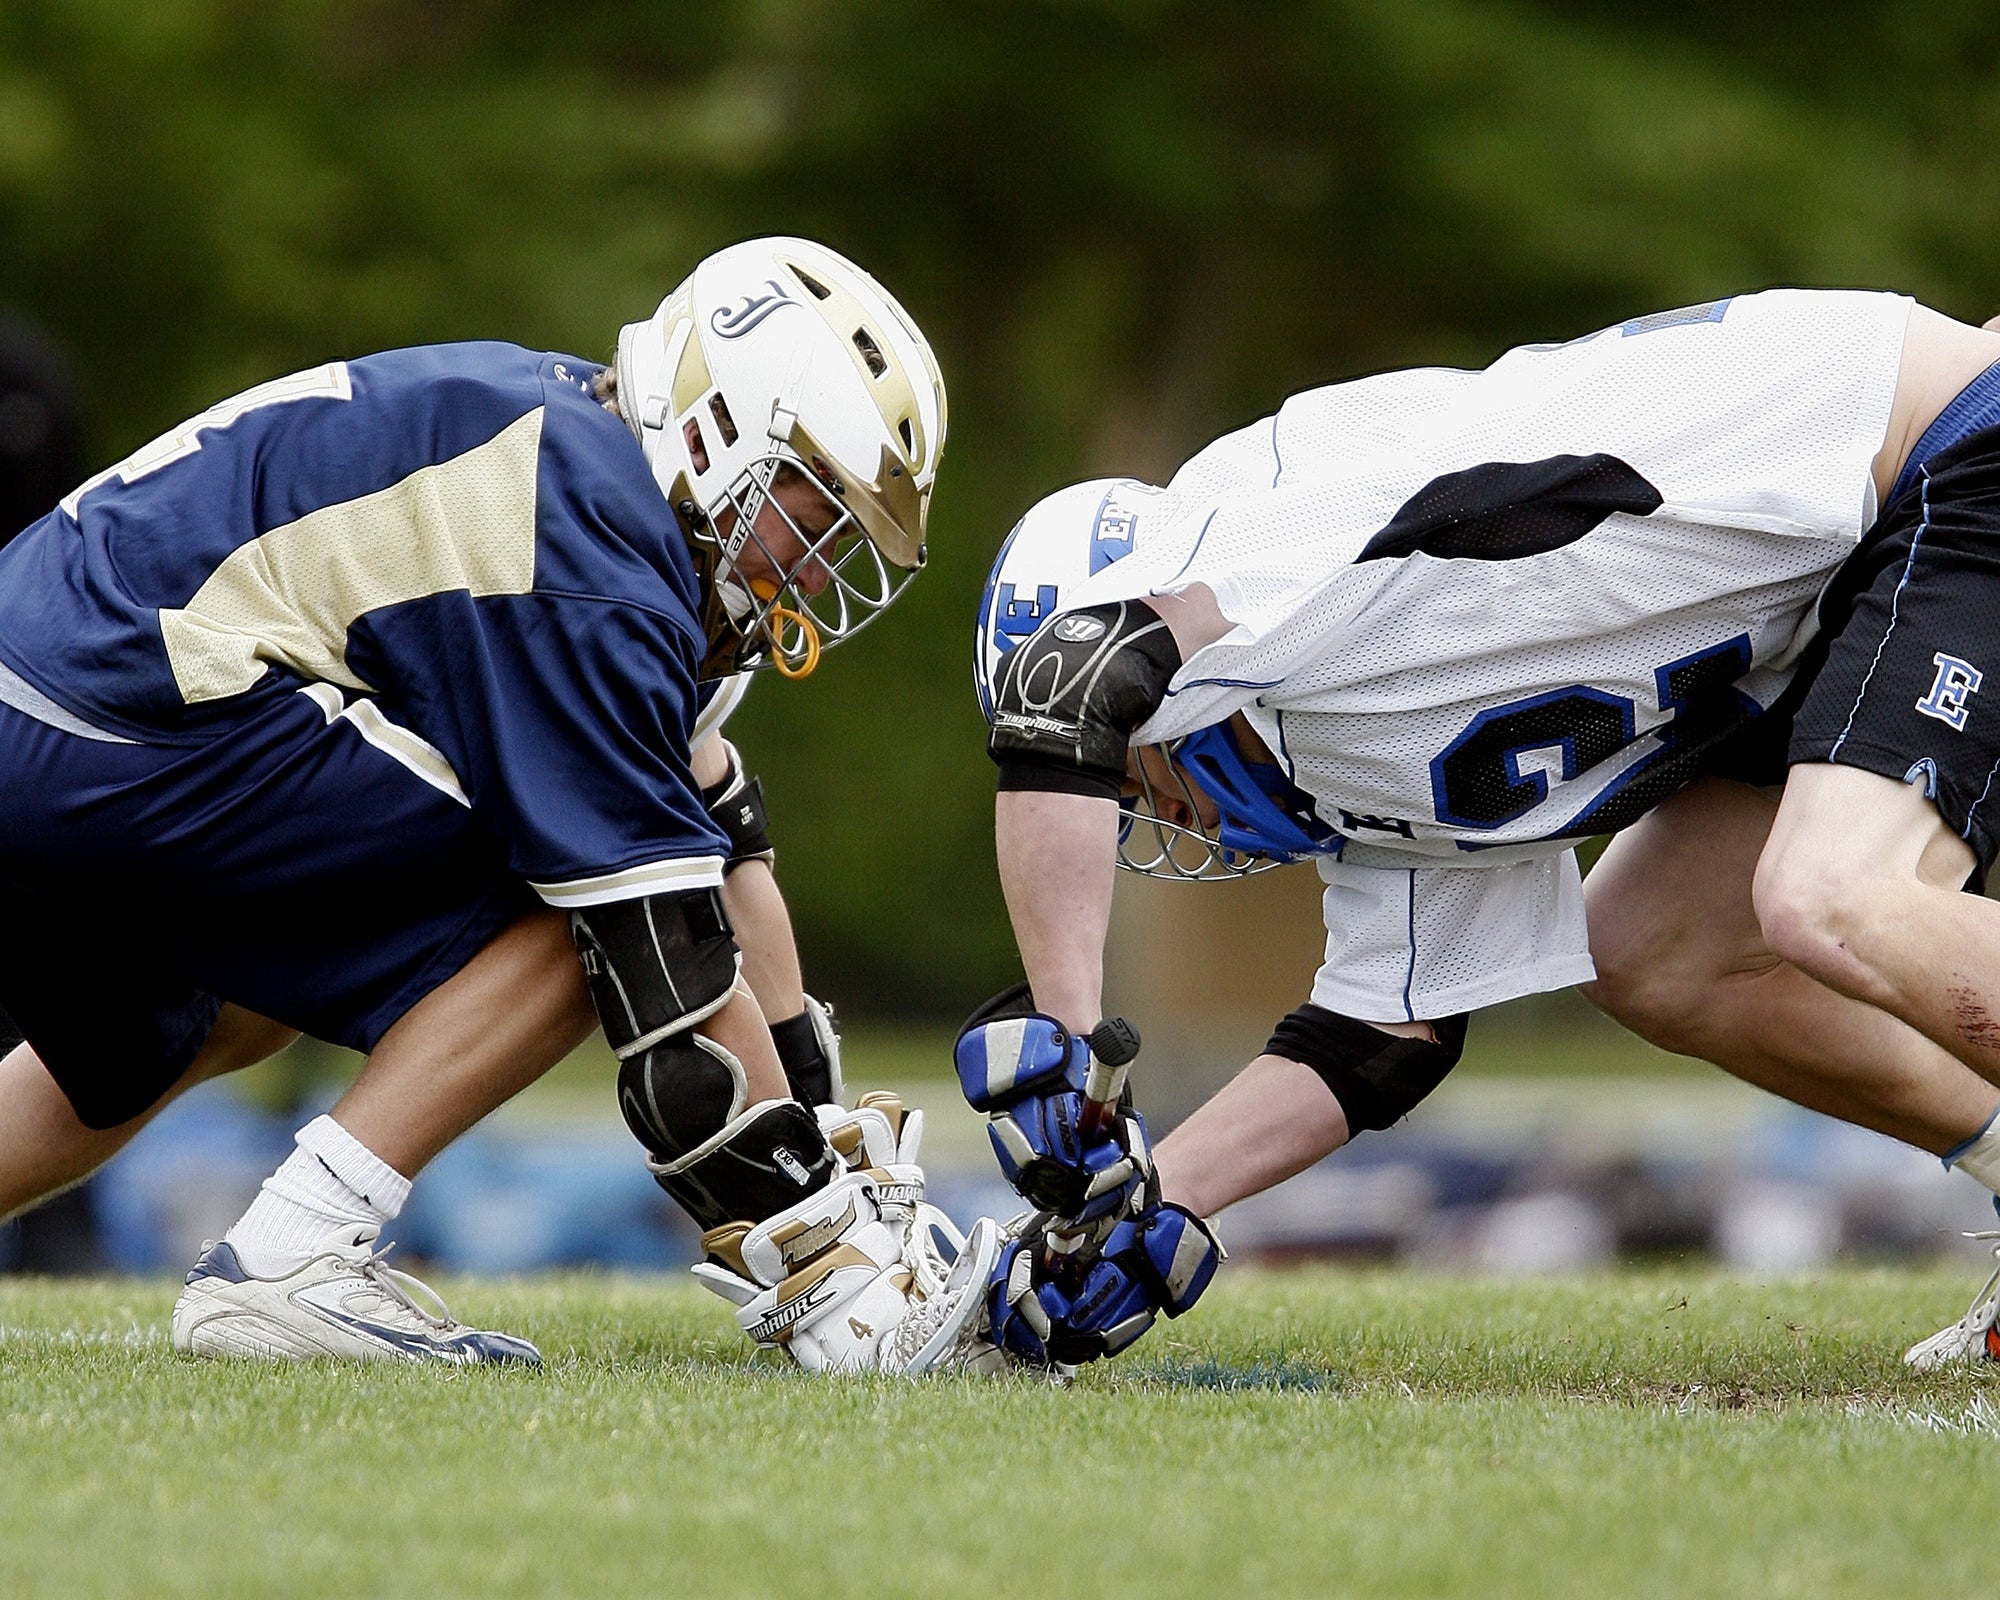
1479, 615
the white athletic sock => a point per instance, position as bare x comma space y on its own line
333, 1183
1979, 1157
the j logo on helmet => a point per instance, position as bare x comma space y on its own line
732, 322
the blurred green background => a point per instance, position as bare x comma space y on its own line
1126, 225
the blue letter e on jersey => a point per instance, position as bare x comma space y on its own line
1956, 680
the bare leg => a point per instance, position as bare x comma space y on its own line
1683, 962
471, 1044
1858, 886
484, 1035
1273, 1119
44, 1149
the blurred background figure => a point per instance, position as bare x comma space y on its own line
41, 424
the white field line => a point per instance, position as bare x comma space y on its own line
1977, 1418
132, 1338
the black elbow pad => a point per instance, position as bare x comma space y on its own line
1069, 697
656, 965
735, 804
1377, 1077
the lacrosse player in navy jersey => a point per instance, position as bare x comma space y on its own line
1430, 628
365, 702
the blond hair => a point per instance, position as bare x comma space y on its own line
604, 387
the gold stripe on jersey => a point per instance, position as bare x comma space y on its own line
396, 742
655, 877
405, 748
289, 597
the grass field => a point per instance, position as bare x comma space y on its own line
1657, 1432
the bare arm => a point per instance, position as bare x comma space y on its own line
1057, 853
739, 1027
1192, 617
756, 906
1275, 1118
1940, 357
757, 909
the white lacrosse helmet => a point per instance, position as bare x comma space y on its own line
1064, 539
780, 353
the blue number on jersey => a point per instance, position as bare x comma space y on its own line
1478, 781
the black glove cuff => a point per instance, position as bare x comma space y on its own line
1015, 1001
807, 1070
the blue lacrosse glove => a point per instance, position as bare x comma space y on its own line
1159, 1261
1027, 1072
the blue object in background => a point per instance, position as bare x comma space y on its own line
191, 1171
498, 1200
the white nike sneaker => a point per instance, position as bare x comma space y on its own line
344, 1303
1972, 1337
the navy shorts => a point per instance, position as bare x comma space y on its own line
280, 861
1910, 684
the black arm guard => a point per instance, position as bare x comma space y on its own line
656, 965
809, 1070
735, 804
1069, 697
1377, 1077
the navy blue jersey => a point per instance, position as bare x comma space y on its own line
457, 541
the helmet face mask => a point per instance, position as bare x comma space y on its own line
1168, 827
794, 566
780, 373
1203, 809
1196, 809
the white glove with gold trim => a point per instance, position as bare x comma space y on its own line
881, 1138
826, 1281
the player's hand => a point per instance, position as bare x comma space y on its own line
1008, 1050
1160, 1261
1045, 1156
1028, 1072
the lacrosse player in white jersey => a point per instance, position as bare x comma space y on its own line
1429, 629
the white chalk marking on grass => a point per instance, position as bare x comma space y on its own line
1978, 1418
133, 1338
